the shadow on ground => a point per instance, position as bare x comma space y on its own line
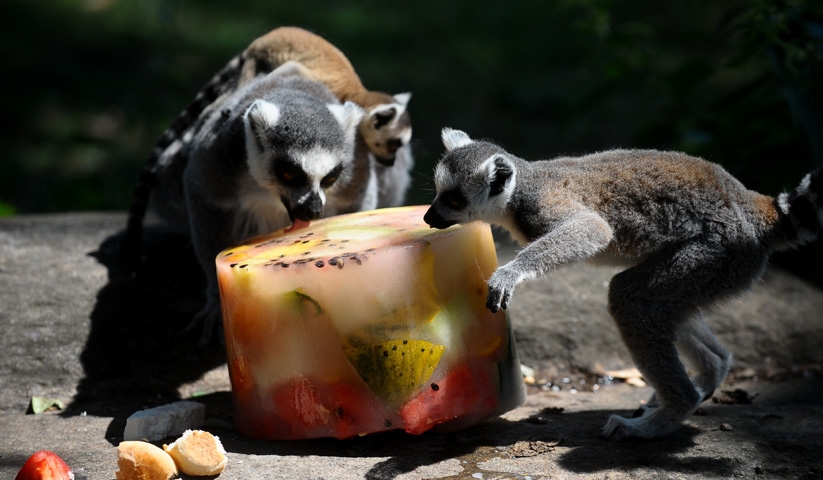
135, 356
576, 433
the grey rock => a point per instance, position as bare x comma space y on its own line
79, 328
170, 420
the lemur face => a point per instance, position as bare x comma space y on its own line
302, 178
386, 128
473, 181
298, 161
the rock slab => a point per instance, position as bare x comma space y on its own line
77, 328
172, 419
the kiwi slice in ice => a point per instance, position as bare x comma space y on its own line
395, 369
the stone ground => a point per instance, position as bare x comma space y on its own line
77, 329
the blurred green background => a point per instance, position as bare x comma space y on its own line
91, 84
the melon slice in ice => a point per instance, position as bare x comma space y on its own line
308, 315
395, 369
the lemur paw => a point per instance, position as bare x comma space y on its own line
617, 428
653, 422
501, 288
497, 299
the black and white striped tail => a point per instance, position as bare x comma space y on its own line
222, 82
801, 210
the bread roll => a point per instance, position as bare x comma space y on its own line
138, 460
198, 453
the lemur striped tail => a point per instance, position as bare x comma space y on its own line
801, 211
222, 82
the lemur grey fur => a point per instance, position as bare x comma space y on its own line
689, 232
279, 149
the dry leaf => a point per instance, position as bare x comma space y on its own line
41, 404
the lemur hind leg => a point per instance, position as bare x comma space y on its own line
646, 328
704, 353
656, 307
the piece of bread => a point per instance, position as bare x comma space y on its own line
137, 460
198, 453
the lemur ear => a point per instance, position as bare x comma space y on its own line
382, 117
500, 174
454, 138
348, 115
403, 98
261, 114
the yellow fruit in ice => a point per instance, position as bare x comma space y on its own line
396, 369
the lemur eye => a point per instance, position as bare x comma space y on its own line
454, 199
289, 173
327, 181
331, 177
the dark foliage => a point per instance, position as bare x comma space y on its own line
90, 84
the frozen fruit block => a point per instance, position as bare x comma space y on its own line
364, 323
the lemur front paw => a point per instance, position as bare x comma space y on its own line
501, 288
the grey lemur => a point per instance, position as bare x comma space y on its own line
386, 126
278, 150
689, 233
386, 129
383, 133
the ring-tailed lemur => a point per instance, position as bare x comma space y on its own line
384, 132
392, 173
386, 126
690, 233
278, 150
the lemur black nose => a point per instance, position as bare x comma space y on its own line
394, 144
310, 209
435, 220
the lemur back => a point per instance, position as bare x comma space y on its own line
690, 234
648, 198
326, 62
